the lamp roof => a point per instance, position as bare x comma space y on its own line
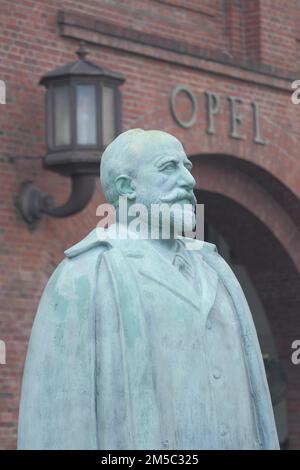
81, 67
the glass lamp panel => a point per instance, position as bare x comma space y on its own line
49, 118
86, 115
62, 115
108, 115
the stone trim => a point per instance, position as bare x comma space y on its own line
96, 31
201, 9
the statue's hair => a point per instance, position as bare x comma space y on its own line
118, 158
122, 155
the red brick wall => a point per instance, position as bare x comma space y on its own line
243, 48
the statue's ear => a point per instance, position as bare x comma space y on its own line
125, 186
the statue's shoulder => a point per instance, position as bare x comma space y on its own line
99, 241
81, 261
93, 243
198, 246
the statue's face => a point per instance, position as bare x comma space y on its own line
164, 175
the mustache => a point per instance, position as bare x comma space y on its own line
177, 195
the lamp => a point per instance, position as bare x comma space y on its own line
83, 115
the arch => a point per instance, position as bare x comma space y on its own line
279, 157
256, 191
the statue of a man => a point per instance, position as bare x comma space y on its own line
142, 343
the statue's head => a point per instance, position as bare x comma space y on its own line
147, 167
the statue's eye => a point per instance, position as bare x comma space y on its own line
169, 166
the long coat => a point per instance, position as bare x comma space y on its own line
69, 354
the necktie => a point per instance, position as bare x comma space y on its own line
184, 266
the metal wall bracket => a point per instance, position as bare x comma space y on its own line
33, 204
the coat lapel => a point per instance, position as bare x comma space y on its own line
208, 280
200, 292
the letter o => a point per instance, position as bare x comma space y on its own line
177, 89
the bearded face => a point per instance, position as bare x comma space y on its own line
164, 185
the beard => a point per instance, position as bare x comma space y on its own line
170, 214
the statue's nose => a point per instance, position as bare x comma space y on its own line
186, 179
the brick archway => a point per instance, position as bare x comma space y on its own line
231, 178
279, 157
265, 179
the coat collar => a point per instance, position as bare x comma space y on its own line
199, 293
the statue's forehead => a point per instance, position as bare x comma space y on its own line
157, 145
